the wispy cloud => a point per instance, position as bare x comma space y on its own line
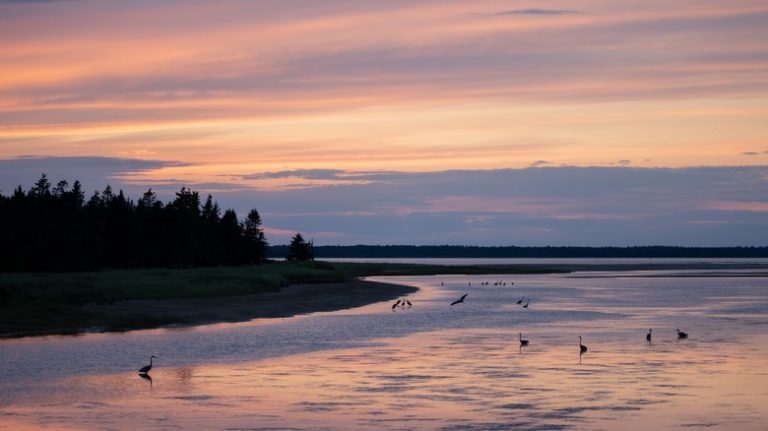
540, 163
539, 12
309, 174
573, 205
530, 206
2, 2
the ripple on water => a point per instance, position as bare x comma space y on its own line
437, 368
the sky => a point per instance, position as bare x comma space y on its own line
596, 122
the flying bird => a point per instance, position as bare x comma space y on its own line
522, 342
648, 336
460, 300
582, 348
681, 335
145, 369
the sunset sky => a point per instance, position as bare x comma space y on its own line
596, 122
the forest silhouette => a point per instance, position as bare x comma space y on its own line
54, 228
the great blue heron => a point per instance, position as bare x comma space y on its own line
582, 348
522, 342
145, 369
681, 334
460, 300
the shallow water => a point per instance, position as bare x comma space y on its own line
431, 367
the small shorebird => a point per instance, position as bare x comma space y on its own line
648, 335
408, 302
681, 335
460, 300
526, 303
520, 301
145, 369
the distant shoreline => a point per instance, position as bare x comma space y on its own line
525, 252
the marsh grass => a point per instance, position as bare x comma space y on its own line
37, 303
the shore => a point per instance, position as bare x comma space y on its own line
71, 303
289, 301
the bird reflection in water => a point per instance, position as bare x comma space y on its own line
146, 377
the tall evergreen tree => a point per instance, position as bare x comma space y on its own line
255, 240
299, 249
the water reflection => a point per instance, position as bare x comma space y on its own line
146, 377
446, 368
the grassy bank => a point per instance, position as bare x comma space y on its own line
38, 303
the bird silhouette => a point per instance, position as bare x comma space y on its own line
460, 300
409, 303
648, 335
526, 303
522, 342
582, 348
681, 335
395, 304
520, 301
145, 369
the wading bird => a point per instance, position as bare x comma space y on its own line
409, 303
648, 336
521, 300
526, 303
145, 369
681, 335
582, 348
460, 300
395, 304
522, 342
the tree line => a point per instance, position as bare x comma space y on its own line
54, 228
460, 251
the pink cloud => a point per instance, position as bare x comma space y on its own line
750, 206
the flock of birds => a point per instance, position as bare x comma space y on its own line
405, 303
401, 303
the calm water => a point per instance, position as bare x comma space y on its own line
431, 367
